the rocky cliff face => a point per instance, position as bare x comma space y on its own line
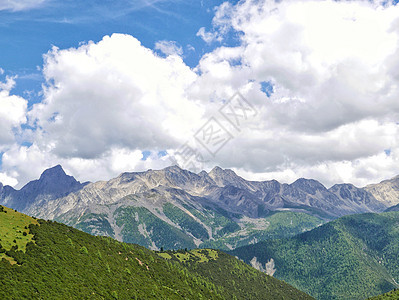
357, 199
386, 191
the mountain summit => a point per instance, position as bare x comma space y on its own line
53, 183
54, 172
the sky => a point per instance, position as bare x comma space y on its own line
271, 89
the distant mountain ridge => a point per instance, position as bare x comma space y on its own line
174, 208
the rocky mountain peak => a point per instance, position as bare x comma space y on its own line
219, 172
55, 172
222, 174
180, 177
54, 180
172, 176
350, 194
342, 188
216, 169
308, 184
203, 174
226, 177
53, 183
174, 169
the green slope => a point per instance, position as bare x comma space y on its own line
353, 257
392, 295
64, 263
14, 231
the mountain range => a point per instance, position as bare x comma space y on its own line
175, 208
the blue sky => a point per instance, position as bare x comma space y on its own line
104, 87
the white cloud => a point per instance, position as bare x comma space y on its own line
333, 66
7, 180
9, 84
169, 48
115, 93
208, 36
18, 5
12, 113
221, 24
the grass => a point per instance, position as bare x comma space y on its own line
165, 255
14, 231
205, 255
196, 255
392, 295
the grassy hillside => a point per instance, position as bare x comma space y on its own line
353, 257
392, 295
62, 262
14, 231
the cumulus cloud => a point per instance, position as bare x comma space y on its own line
12, 113
333, 68
18, 5
331, 62
114, 93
